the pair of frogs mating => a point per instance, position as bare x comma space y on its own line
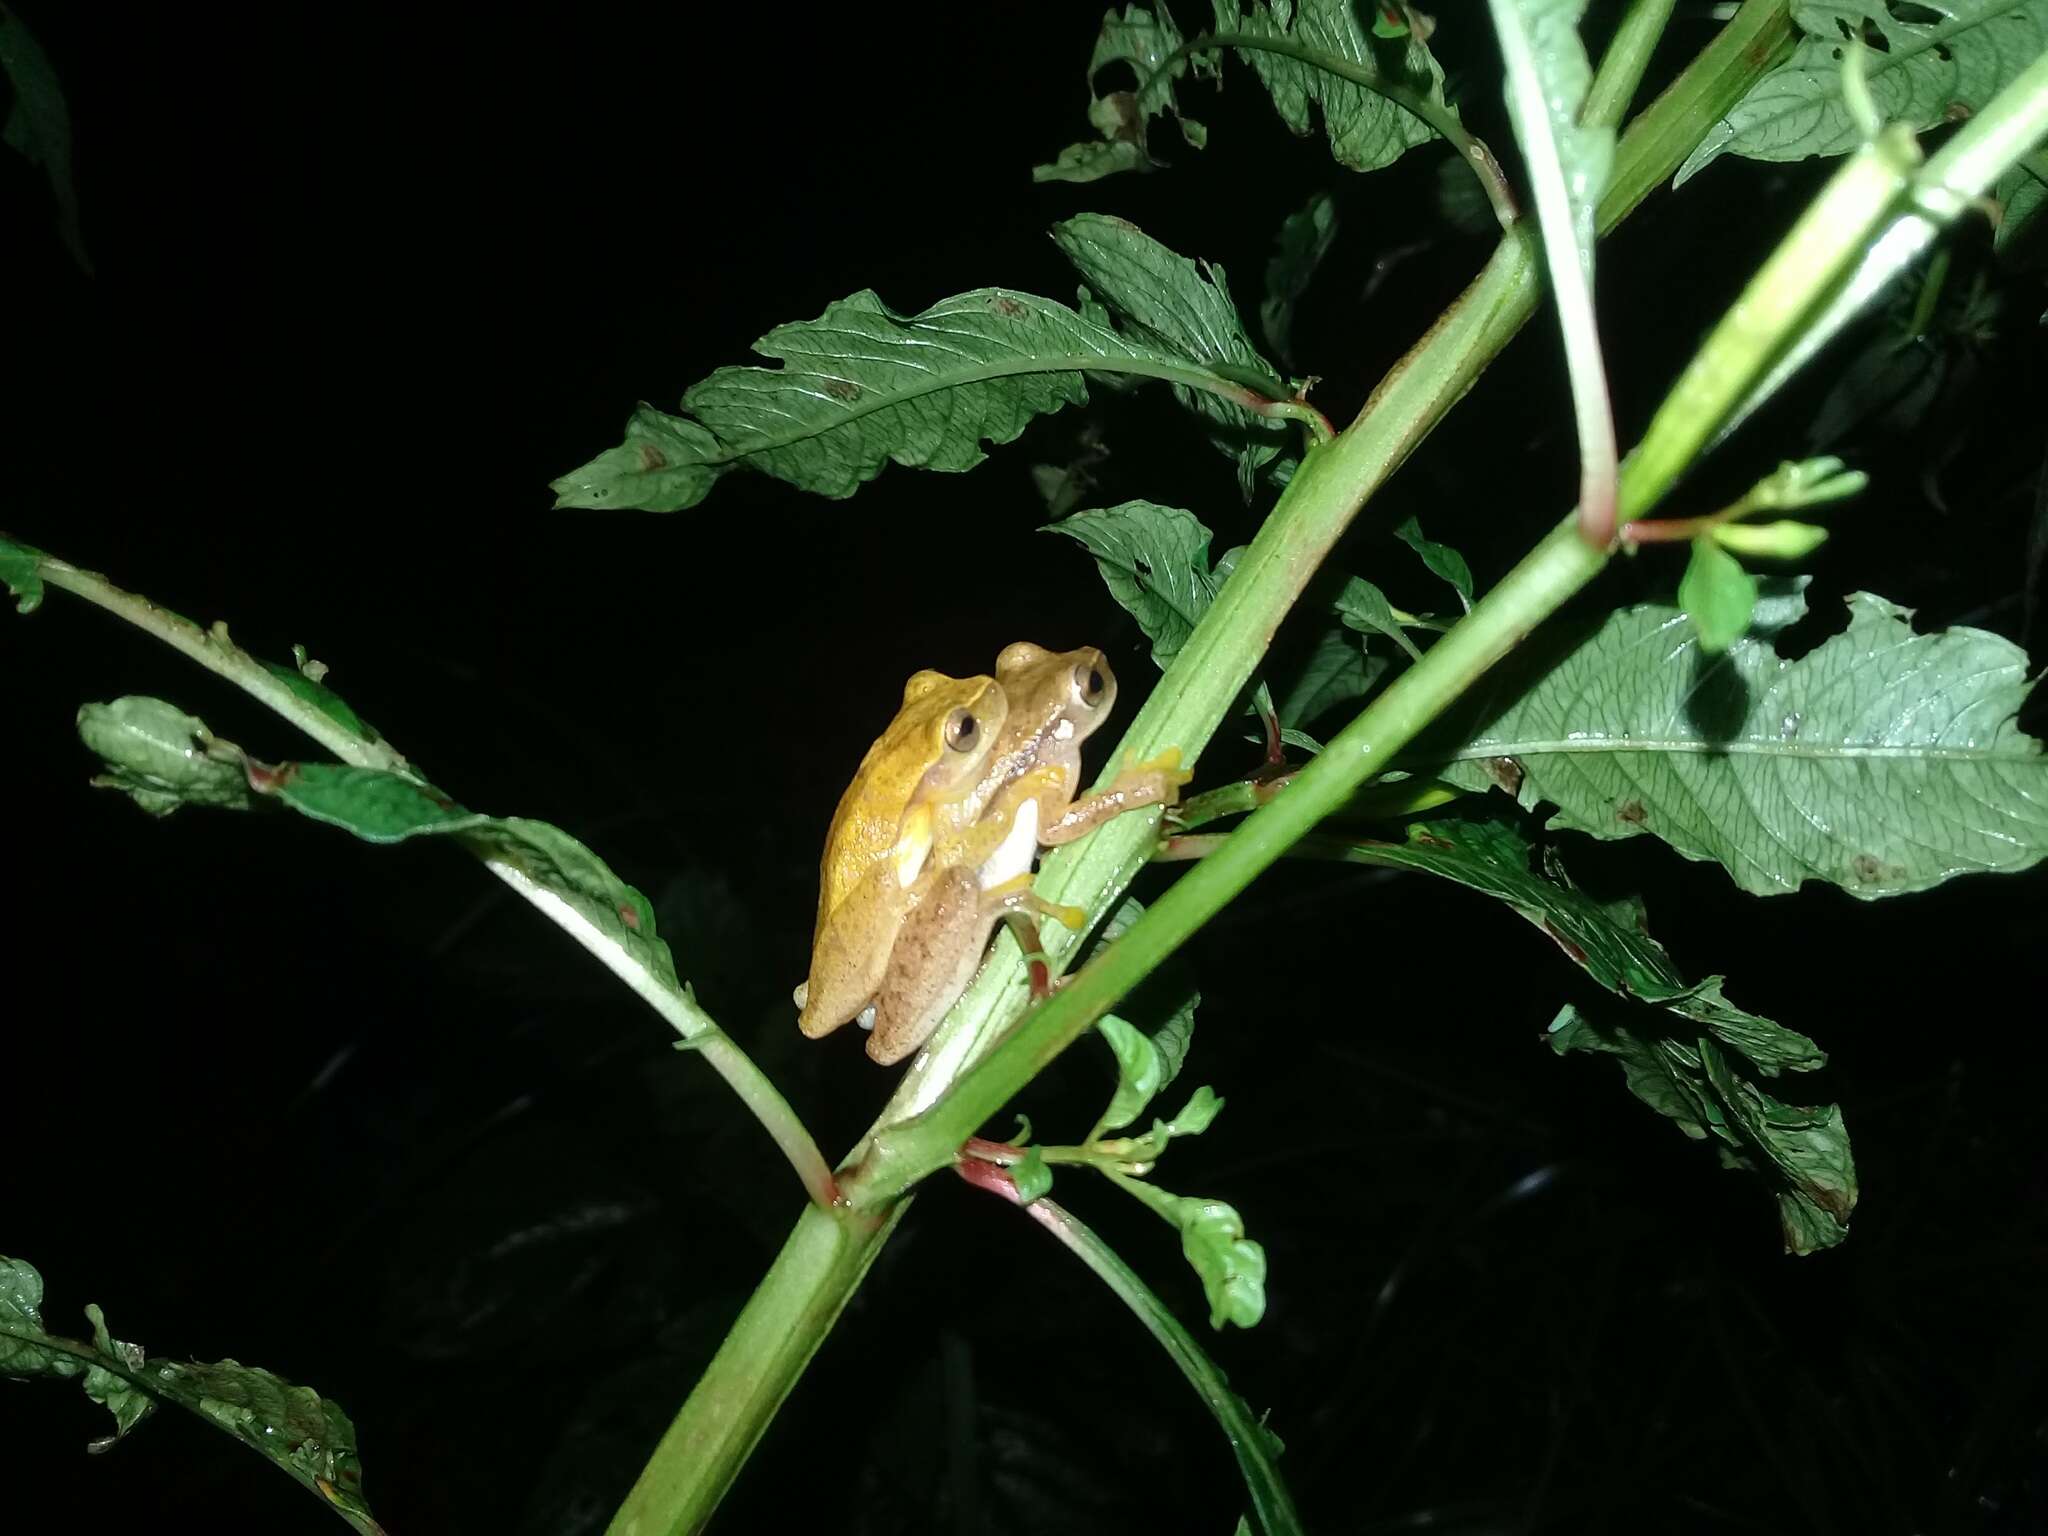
934, 838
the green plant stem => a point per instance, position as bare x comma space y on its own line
1752, 43
1197, 690
1252, 1445
1568, 254
1441, 119
216, 652
765, 1352
1628, 56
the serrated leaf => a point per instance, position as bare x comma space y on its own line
1155, 562
1363, 606
1802, 1153
161, 757
1883, 761
1183, 308
1303, 241
291, 1426
1442, 560
1927, 63
1609, 942
1173, 1038
1142, 41
1364, 129
21, 573
1717, 594
863, 386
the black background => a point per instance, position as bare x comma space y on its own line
363, 284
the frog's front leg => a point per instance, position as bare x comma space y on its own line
1156, 781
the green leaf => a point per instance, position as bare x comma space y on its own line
1365, 130
21, 572
166, 758
1337, 671
1140, 40
1196, 1116
1610, 942
1769, 541
39, 127
1802, 1153
1363, 606
1304, 240
291, 1426
161, 757
1443, 560
1928, 63
1232, 1267
1155, 562
1147, 1060
1182, 308
1882, 761
1718, 595
1139, 1071
863, 386
1032, 1176
304, 680
2022, 193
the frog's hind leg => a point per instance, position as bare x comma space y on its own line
935, 955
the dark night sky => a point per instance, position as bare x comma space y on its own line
363, 285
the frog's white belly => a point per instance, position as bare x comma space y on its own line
1014, 854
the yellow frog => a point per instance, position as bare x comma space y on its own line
924, 779
1056, 701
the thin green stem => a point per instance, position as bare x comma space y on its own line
1252, 1445
215, 651
1568, 253
1627, 57
1752, 42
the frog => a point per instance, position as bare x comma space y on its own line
924, 780
982, 872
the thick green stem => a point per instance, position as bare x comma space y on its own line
773, 1340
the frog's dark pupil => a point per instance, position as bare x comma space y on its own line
963, 731
1094, 682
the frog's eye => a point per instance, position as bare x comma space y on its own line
962, 730
1088, 684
